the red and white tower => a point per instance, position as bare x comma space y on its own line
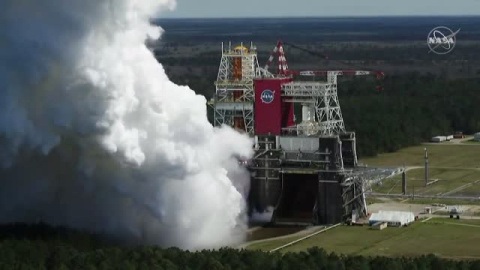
234, 96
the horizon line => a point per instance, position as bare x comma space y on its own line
318, 17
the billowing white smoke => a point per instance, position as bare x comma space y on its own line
94, 135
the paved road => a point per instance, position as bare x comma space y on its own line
307, 231
305, 238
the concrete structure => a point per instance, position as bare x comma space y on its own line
393, 218
380, 226
427, 172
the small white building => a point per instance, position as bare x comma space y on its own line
392, 218
476, 137
439, 139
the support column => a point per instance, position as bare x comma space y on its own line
426, 168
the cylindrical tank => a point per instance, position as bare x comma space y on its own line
308, 113
308, 126
237, 76
239, 123
237, 69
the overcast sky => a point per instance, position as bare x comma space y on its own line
296, 8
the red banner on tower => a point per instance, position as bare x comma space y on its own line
271, 114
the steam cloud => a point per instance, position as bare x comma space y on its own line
93, 134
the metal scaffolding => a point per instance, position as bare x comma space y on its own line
304, 170
235, 96
325, 99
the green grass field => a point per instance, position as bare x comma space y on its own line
471, 142
448, 180
446, 156
268, 245
453, 165
443, 237
440, 201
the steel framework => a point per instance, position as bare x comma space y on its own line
279, 53
322, 96
234, 95
353, 194
325, 99
319, 146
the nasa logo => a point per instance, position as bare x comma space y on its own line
268, 96
442, 40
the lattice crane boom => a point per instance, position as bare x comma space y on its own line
283, 69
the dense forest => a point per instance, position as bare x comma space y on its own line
411, 109
39, 247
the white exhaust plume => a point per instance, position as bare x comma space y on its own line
93, 135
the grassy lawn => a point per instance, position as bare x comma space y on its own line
271, 232
271, 244
449, 156
449, 179
373, 200
453, 221
473, 190
442, 237
454, 165
471, 142
443, 201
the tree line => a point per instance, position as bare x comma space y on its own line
42, 247
411, 109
